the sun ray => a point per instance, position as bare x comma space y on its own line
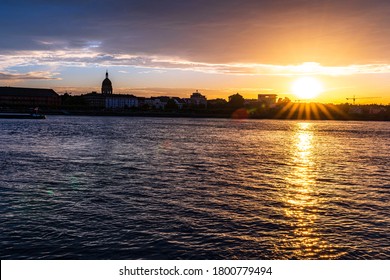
293, 110
325, 111
301, 109
308, 111
284, 110
315, 111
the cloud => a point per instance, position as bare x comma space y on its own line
279, 32
153, 71
56, 60
28, 76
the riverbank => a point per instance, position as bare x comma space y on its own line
241, 113
330, 113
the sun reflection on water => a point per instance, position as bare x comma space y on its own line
302, 201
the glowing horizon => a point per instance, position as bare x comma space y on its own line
248, 79
170, 49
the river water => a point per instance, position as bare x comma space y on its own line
162, 188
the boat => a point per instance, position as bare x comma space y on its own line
34, 114
22, 116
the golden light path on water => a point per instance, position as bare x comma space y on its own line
302, 199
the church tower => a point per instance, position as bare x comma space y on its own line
106, 85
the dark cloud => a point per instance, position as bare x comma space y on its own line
285, 31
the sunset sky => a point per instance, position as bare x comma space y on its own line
173, 47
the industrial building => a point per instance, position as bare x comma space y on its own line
28, 97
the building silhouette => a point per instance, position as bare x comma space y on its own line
267, 99
29, 97
197, 99
106, 85
108, 100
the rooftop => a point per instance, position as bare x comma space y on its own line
35, 92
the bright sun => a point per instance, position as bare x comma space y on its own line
307, 87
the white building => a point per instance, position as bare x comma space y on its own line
120, 101
157, 102
180, 103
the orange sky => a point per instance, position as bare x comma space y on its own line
173, 47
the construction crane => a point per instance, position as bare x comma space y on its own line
354, 98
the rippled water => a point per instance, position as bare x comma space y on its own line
129, 188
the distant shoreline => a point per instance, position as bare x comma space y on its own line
223, 114
197, 115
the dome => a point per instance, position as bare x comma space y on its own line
106, 85
106, 82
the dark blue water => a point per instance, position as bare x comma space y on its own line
150, 188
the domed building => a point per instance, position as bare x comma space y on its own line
108, 100
106, 85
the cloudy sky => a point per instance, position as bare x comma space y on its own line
219, 47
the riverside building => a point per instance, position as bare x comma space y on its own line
108, 100
29, 97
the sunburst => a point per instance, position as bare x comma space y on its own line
311, 111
